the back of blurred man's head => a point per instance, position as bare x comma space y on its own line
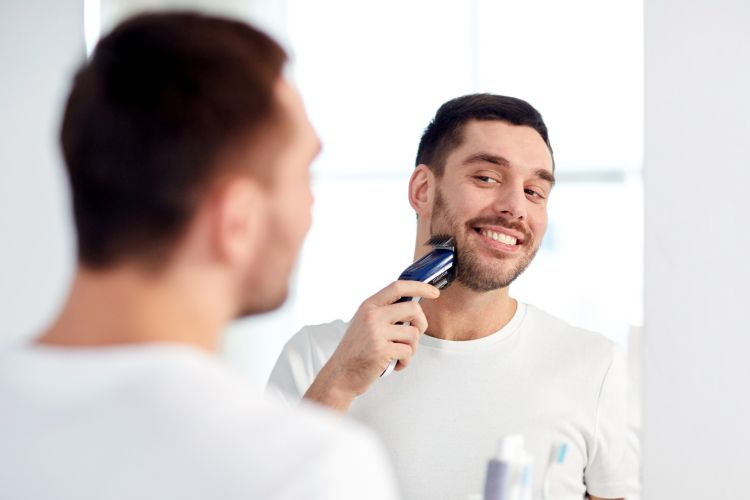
175, 112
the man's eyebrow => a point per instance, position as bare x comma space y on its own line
541, 173
546, 175
489, 158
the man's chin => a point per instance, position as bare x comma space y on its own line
484, 284
260, 305
491, 273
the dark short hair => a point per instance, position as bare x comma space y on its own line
149, 115
445, 131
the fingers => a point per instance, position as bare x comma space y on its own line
403, 312
404, 340
403, 288
403, 353
405, 334
377, 334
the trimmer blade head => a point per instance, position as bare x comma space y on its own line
442, 241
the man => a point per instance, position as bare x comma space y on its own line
488, 366
188, 157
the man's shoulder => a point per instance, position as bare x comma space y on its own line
186, 414
211, 405
334, 329
278, 442
554, 331
328, 455
323, 336
302, 357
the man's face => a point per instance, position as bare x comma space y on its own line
492, 197
289, 206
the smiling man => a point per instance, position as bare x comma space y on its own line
487, 365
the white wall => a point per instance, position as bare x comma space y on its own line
41, 41
697, 175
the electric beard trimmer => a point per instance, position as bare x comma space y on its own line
437, 268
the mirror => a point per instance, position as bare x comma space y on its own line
373, 75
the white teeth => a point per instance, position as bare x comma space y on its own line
501, 237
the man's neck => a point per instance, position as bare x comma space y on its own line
463, 314
128, 306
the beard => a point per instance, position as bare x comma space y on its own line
473, 271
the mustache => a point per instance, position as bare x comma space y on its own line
502, 222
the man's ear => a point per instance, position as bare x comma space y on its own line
422, 191
240, 214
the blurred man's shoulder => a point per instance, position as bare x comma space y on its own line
189, 424
300, 448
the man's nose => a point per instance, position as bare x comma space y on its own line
511, 202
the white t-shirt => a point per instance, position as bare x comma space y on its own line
441, 417
165, 421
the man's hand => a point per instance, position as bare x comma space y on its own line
373, 339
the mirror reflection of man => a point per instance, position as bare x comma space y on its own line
488, 365
188, 157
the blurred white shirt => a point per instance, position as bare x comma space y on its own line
163, 421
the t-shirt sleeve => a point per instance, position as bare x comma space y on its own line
293, 372
613, 466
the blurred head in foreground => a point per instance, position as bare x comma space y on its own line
187, 149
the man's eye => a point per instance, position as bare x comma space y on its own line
487, 179
534, 194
